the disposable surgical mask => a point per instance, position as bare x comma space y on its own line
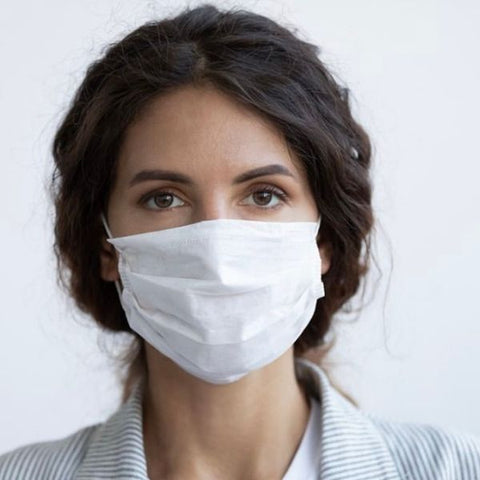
222, 297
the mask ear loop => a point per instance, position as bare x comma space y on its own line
319, 221
109, 235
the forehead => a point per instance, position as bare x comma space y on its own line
198, 128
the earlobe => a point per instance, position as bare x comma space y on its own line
108, 262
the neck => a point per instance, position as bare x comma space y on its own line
246, 429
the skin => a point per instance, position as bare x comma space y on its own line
249, 429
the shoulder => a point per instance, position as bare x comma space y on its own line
423, 451
50, 460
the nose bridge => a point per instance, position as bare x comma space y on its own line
214, 204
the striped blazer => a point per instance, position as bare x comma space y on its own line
354, 445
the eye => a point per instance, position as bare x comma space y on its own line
262, 198
161, 200
263, 195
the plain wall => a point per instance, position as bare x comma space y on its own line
413, 69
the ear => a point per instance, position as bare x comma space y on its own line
326, 256
108, 262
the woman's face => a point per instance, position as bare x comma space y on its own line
195, 155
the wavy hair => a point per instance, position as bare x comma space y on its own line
257, 62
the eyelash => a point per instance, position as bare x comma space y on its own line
262, 188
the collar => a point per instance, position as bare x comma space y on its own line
350, 444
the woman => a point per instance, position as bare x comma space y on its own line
213, 199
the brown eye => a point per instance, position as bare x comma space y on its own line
262, 197
163, 200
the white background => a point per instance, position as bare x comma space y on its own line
414, 70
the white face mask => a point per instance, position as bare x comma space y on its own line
222, 297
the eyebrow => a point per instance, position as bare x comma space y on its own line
145, 175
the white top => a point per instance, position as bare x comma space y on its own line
305, 463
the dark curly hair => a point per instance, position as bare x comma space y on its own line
264, 66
